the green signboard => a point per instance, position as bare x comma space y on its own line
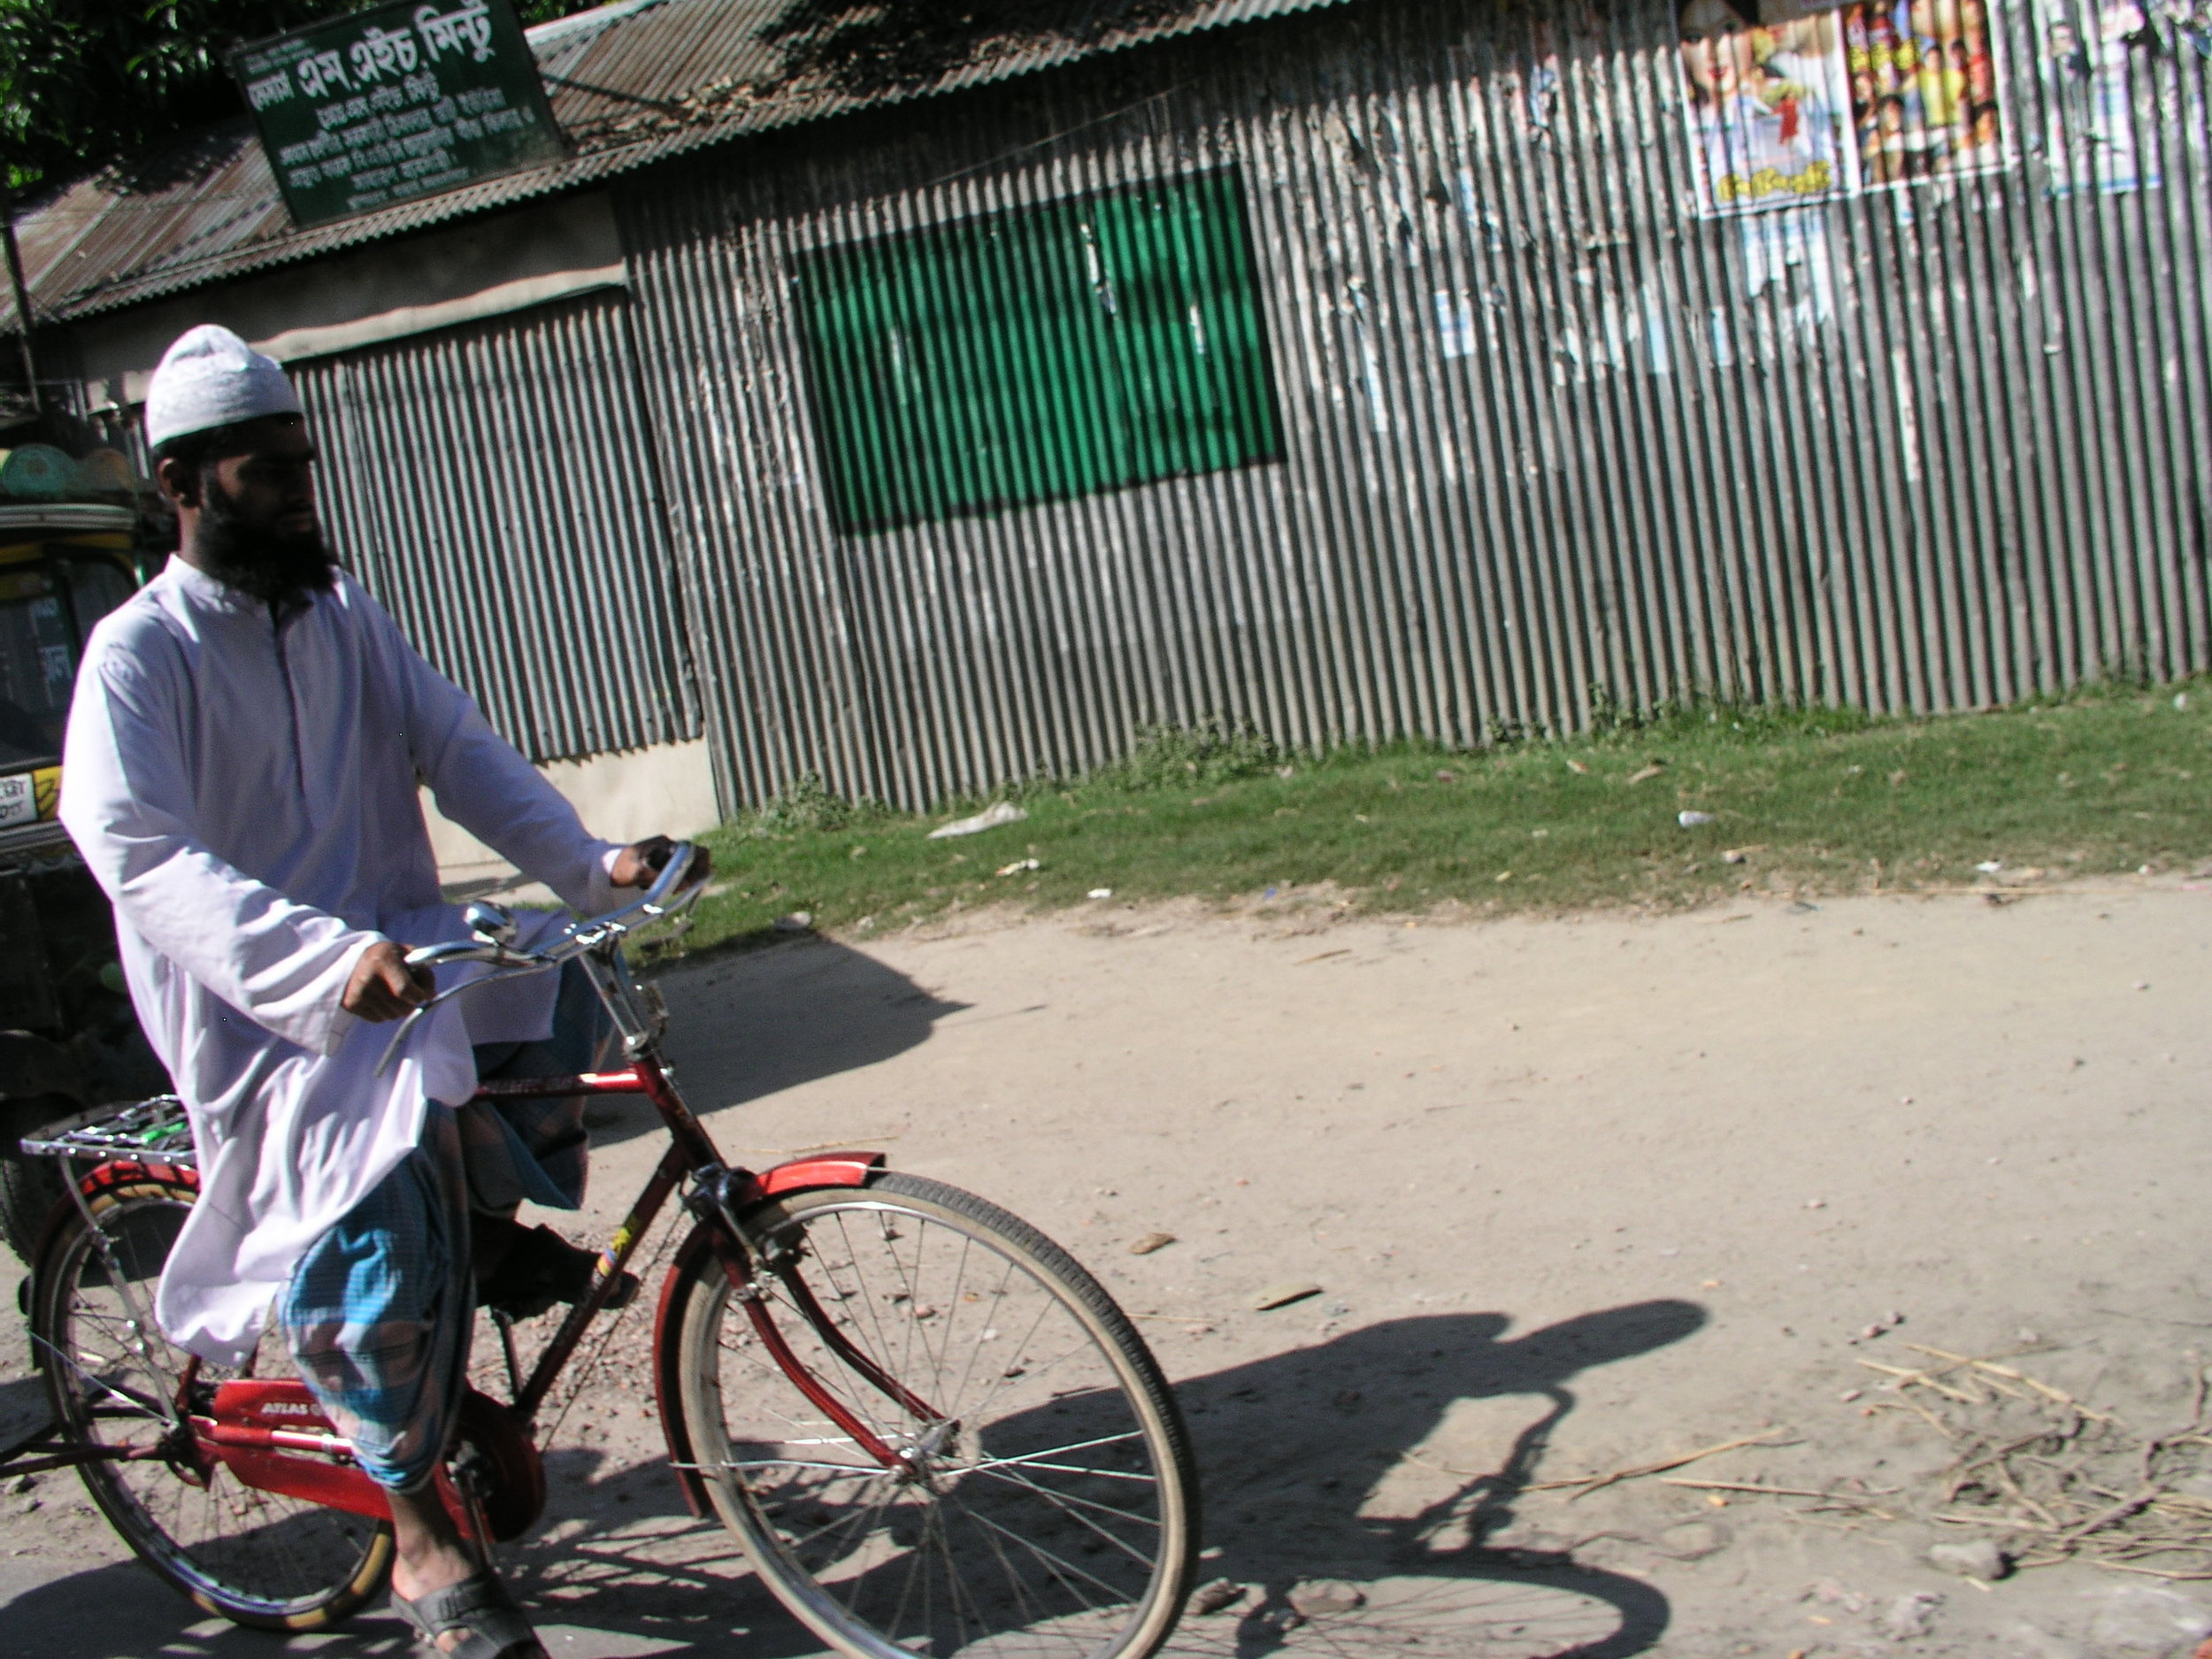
403, 101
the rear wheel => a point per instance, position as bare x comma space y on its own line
255, 1557
1040, 1500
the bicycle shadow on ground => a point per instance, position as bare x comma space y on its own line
744, 1026
1303, 1457
1316, 1467
617, 1554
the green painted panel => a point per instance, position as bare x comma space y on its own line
1039, 354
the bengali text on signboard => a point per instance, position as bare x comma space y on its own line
403, 101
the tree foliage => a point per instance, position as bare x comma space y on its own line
867, 47
86, 83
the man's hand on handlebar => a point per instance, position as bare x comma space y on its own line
636, 864
383, 987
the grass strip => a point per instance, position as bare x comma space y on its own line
1807, 802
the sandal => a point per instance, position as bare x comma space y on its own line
479, 1606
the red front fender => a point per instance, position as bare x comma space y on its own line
834, 1169
831, 1169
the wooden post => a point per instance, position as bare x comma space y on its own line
22, 295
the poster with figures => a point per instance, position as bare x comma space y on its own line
1767, 107
1925, 90
2187, 24
1796, 105
399, 101
2093, 56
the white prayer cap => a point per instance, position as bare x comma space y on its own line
211, 378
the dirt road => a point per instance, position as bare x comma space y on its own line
1580, 1195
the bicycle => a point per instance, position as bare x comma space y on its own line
931, 1429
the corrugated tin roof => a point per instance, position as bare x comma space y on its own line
632, 83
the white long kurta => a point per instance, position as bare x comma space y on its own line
247, 794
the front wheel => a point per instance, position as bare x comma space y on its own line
1038, 1497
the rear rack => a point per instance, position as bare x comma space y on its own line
151, 1131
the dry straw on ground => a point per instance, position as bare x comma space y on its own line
2047, 1476
2052, 1478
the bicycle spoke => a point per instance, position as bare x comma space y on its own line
945, 1317
906, 1589
766, 1370
876, 1354
955, 1589
1019, 1373
997, 1471
1056, 1501
955, 1404
1028, 1518
1058, 1566
906, 1357
255, 1553
859, 1523
1057, 1451
788, 1463
1033, 1612
880, 1353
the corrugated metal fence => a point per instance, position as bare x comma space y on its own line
495, 486
1550, 437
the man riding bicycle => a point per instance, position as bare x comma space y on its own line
244, 752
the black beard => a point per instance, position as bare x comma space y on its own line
283, 571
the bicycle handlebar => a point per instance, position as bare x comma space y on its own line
463, 950
578, 936
675, 885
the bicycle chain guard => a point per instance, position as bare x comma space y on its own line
272, 1435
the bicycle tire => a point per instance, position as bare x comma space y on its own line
257, 1558
977, 1508
29, 1187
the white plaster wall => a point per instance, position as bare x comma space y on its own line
666, 790
383, 291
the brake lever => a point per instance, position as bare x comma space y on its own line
673, 882
673, 889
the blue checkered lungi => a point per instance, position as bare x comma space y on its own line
380, 1311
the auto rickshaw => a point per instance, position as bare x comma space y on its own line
68, 1039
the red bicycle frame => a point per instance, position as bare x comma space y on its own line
272, 1435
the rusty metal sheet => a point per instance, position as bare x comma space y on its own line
632, 84
492, 486
1555, 442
